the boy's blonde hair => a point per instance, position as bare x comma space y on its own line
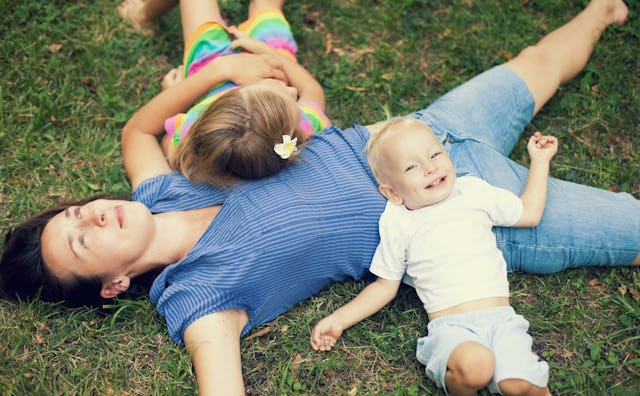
378, 132
234, 138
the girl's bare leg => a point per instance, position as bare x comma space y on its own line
563, 53
196, 12
257, 5
140, 13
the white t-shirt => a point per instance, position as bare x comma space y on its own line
448, 249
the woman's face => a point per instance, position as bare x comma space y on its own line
99, 239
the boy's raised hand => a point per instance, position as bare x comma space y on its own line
542, 147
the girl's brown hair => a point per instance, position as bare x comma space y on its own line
234, 138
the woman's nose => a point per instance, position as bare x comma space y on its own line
101, 218
95, 217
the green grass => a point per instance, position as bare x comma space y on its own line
72, 74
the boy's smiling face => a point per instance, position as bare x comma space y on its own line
415, 168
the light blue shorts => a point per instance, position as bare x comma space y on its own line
479, 123
499, 329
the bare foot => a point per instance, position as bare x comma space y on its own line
133, 12
616, 11
620, 12
174, 77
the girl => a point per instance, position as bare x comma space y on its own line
252, 131
240, 131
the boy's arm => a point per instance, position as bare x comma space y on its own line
369, 301
541, 150
309, 89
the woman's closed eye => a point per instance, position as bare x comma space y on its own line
434, 155
76, 212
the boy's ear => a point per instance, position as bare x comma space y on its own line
390, 194
114, 287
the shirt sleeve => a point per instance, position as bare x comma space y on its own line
313, 119
504, 207
389, 260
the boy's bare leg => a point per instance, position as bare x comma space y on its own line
563, 53
141, 13
470, 367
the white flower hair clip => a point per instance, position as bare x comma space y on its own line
287, 147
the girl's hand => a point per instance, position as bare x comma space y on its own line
245, 68
542, 147
173, 77
250, 44
325, 334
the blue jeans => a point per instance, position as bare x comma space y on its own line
479, 123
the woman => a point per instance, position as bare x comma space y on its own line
315, 223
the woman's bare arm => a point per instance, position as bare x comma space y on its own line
213, 342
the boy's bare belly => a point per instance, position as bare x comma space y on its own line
475, 305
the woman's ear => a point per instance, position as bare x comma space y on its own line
114, 287
390, 194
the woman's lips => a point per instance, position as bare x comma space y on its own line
119, 215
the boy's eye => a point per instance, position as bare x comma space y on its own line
410, 167
76, 212
82, 242
436, 155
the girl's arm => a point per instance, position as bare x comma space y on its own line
143, 156
369, 301
309, 89
213, 342
534, 196
297, 76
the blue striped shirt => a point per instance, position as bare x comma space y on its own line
276, 241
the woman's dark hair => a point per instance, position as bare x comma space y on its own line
24, 274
